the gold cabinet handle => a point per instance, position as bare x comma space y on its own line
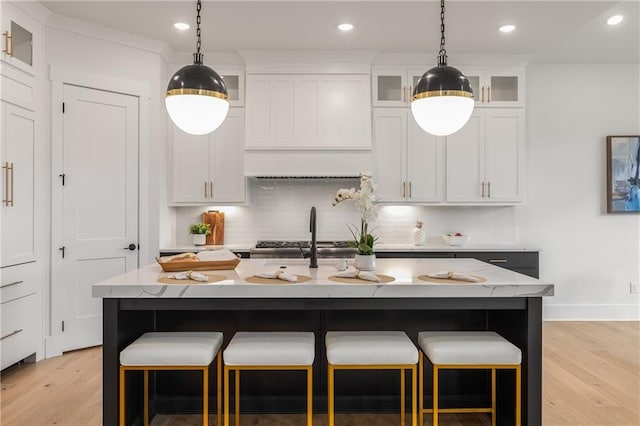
410, 189
482, 100
205, 189
498, 260
404, 189
404, 94
482, 189
5, 168
489, 94
12, 179
210, 189
8, 42
410, 94
489, 189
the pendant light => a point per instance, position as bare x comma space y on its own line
196, 97
442, 100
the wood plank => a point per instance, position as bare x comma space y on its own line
591, 376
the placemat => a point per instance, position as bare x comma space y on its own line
211, 278
450, 281
383, 280
257, 280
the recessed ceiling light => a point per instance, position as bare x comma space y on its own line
182, 26
345, 27
615, 19
507, 28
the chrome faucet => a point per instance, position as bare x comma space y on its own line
313, 260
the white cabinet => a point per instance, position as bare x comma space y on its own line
19, 329
497, 87
310, 111
21, 39
234, 80
485, 159
393, 87
408, 161
210, 168
18, 135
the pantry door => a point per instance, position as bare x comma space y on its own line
95, 233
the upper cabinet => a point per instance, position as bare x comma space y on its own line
497, 87
234, 80
485, 159
21, 39
408, 161
308, 112
209, 168
393, 87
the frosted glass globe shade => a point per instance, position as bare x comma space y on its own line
442, 115
197, 114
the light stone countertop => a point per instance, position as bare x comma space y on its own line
142, 283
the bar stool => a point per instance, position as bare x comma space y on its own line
268, 351
372, 350
187, 350
465, 350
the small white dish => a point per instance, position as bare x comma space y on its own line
455, 240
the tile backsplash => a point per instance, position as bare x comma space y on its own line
279, 209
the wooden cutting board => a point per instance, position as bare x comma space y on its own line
216, 220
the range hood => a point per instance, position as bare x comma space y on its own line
308, 164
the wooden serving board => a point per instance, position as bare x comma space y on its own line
201, 265
216, 220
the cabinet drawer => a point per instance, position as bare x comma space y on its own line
523, 262
19, 281
18, 336
17, 87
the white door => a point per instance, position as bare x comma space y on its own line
98, 208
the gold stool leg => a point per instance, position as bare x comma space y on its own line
518, 395
122, 387
421, 390
146, 397
493, 397
414, 400
330, 407
226, 396
205, 396
237, 384
219, 390
435, 395
310, 395
402, 399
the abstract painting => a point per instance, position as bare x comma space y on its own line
623, 156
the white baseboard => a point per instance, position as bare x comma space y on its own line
51, 347
556, 312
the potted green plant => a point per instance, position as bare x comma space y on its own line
199, 232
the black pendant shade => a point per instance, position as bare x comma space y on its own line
442, 80
197, 79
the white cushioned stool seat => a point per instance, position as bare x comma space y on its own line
370, 348
172, 348
468, 348
270, 348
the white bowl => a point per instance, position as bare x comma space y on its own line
455, 240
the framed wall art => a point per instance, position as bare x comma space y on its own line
623, 192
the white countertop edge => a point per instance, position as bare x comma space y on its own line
379, 247
142, 283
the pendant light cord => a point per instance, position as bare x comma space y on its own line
197, 57
442, 54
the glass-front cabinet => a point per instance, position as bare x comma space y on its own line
496, 87
234, 80
20, 34
393, 87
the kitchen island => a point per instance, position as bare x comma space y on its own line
507, 302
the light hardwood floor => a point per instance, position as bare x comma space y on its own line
591, 377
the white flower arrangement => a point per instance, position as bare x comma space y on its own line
365, 200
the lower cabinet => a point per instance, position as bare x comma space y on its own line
523, 262
19, 335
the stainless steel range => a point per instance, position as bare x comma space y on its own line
272, 249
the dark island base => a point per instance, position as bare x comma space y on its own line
517, 319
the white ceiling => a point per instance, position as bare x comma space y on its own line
548, 31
